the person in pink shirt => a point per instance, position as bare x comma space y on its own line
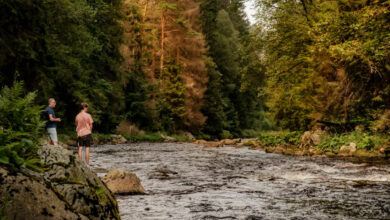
84, 124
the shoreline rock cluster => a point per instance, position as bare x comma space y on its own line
349, 150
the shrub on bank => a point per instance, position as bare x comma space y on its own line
364, 141
276, 138
20, 127
152, 137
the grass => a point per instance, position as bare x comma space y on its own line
152, 137
181, 138
102, 138
106, 138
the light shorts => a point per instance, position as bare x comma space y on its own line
52, 134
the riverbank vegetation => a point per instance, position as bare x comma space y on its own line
20, 129
170, 67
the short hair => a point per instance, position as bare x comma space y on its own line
51, 100
84, 105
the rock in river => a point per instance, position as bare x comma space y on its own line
123, 182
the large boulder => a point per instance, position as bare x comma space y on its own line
123, 183
189, 136
167, 138
186, 134
312, 138
24, 197
347, 150
118, 139
75, 184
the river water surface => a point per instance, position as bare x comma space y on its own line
186, 181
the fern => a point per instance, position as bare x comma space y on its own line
20, 127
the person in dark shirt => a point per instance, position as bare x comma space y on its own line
51, 123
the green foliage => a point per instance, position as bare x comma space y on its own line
280, 138
181, 138
236, 75
68, 50
152, 137
20, 127
172, 93
101, 138
325, 60
203, 136
364, 141
3, 205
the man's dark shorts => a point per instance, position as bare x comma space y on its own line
85, 141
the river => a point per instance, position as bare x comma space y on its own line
186, 181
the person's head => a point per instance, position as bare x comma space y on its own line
84, 106
52, 102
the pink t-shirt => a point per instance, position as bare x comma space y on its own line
84, 123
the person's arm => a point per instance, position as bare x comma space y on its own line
91, 122
54, 119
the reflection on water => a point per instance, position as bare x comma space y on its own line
185, 181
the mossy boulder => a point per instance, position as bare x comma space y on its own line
24, 197
123, 183
72, 183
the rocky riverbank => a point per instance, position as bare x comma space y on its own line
67, 189
309, 143
348, 150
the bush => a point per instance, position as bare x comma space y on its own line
226, 134
276, 138
181, 138
203, 136
153, 137
250, 133
382, 124
101, 138
20, 127
127, 128
363, 140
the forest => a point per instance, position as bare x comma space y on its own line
200, 66
281, 115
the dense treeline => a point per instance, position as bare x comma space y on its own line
198, 66
163, 65
327, 62
64, 49
231, 104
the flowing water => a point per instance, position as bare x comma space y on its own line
186, 181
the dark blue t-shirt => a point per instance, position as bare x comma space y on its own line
50, 124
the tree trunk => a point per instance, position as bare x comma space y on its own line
145, 10
162, 45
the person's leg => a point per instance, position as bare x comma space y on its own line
87, 155
54, 136
81, 152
